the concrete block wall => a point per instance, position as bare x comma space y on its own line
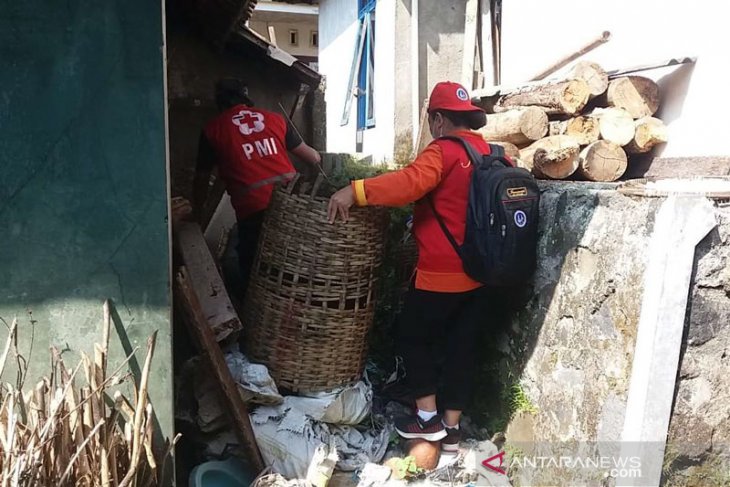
83, 185
574, 339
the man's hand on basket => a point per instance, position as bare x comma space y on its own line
340, 203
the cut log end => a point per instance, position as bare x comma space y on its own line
533, 123
555, 164
594, 76
554, 157
615, 125
602, 161
584, 129
575, 96
649, 133
519, 126
637, 95
510, 149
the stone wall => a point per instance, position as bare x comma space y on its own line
572, 345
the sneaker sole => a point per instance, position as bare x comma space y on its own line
422, 436
450, 447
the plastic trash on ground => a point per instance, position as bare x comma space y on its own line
288, 435
254, 381
229, 473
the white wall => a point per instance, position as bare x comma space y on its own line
380, 140
537, 32
338, 28
303, 27
441, 35
337, 32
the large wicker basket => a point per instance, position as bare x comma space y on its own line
309, 303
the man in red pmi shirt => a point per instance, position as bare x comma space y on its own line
445, 309
249, 145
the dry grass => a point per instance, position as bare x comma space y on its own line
69, 431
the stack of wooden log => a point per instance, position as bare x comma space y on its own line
585, 125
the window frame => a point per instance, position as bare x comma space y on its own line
366, 70
294, 33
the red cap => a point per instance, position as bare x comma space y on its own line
451, 96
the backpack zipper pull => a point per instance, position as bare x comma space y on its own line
504, 230
491, 219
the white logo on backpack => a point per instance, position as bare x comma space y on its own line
520, 218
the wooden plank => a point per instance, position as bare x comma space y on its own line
301, 96
212, 199
496, 13
659, 336
485, 47
470, 41
681, 167
220, 225
423, 135
202, 335
206, 281
567, 59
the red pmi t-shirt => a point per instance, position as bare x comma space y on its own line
250, 147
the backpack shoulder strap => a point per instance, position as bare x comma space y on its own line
474, 156
496, 150
475, 159
444, 228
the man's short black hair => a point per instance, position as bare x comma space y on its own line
474, 120
230, 92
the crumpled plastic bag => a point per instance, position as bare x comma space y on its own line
289, 435
254, 381
254, 384
346, 405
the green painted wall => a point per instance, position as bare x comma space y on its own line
82, 178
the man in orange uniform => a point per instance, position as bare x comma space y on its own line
249, 145
445, 309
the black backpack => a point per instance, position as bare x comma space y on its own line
500, 243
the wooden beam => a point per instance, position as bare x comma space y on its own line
470, 42
299, 101
202, 334
683, 167
215, 193
415, 80
496, 14
217, 232
485, 46
564, 61
206, 281
423, 134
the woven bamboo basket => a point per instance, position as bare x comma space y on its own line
309, 303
